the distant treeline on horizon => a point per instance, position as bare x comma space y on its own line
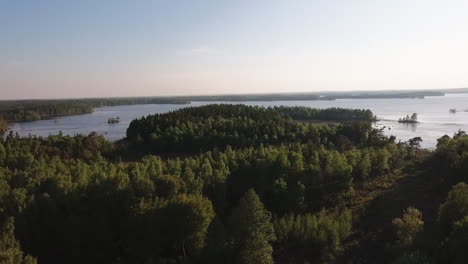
31, 110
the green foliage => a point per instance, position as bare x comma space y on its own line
251, 231
414, 257
168, 186
316, 236
457, 242
10, 250
75, 196
88, 148
408, 226
455, 208
3, 126
216, 250
452, 155
179, 225
329, 114
31, 110
2, 153
192, 129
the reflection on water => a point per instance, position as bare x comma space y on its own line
409, 126
433, 114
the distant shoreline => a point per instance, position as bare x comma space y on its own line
327, 94
14, 111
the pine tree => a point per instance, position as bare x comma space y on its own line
252, 231
10, 250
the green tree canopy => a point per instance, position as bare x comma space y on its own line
252, 231
455, 208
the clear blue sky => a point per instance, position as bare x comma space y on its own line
95, 48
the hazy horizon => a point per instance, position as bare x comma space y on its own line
447, 90
83, 49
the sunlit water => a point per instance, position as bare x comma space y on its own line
433, 114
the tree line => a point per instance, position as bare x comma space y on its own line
192, 129
31, 110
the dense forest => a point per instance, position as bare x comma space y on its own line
192, 129
31, 110
235, 184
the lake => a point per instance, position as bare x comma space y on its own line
433, 114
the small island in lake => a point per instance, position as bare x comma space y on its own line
112, 120
413, 119
453, 110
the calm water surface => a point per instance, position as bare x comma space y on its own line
433, 112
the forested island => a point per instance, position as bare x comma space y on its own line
235, 184
113, 120
192, 129
413, 119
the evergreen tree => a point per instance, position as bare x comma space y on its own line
458, 242
455, 208
10, 250
252, 231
